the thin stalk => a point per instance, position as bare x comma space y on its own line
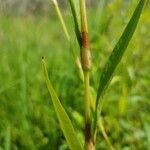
76, 58
61, 19
76, 22
86, 97
84, 25
86, 65
102, 129
89, 143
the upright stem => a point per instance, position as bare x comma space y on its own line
86, 65
86, 97
89, 143
61, 19
84, 26
76, 59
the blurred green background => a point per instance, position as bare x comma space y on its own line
30, 29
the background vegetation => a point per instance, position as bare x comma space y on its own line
27, 117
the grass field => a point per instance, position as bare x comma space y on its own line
27, 118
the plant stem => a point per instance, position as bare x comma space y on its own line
102, 129
86, 65
61, 19
84, 26
86, 96
65, 30
89, 144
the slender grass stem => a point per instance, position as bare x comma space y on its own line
76, 58
86, 96
86, 65
88, 136
84, 26
102, 129
61, 19
76, 22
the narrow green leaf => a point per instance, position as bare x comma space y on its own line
61, 19
117, 54
65, 123
102, 130
74, 14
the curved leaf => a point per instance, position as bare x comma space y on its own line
117, 54
65, 123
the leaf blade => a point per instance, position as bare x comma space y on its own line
75, 19
63, 118
117, 54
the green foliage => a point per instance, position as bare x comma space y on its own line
25, 108
63, 118
117, 54
76, 22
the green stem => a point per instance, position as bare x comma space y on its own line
84, 26
86, 65
89, 143
86, 96
61, 19
76, 58
102, 129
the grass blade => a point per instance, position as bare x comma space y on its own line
61, 19
63, 118
74, 14
117, 54
102, 130
77, 31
